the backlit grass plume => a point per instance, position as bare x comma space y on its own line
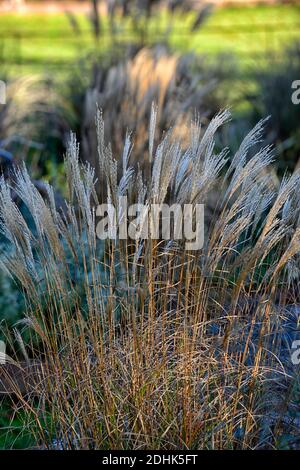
125, 92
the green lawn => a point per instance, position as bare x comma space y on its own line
43, 43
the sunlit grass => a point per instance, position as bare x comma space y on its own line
146, 344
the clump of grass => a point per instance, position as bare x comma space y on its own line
181, 350
126, 90
32, 110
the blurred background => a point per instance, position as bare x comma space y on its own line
58, 58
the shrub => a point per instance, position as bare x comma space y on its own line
273, 97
